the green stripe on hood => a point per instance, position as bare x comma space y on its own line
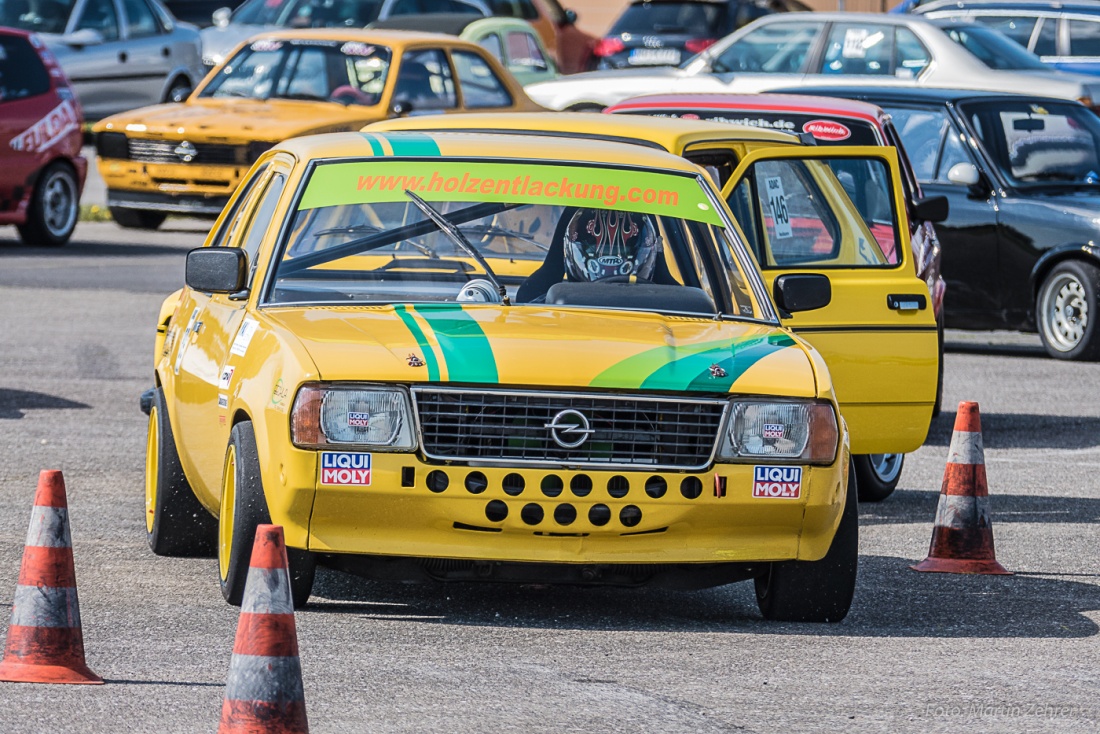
465, 348
430, 358
375, 146
412, 144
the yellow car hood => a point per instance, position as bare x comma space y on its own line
541, 347
246, 120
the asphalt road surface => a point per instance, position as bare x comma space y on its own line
918, 653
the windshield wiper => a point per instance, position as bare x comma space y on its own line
447, 227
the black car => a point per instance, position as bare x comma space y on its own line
665, 32
1021, 245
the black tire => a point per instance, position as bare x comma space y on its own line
54, 208
816, 591
176, 523
1066, 311
179, 91
249, 509
937, 407
137, 218
877, 475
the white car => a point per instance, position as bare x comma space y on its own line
818, 49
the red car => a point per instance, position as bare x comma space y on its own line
41, 169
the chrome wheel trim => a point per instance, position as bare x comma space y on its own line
886, 467
1064, 312
59, 208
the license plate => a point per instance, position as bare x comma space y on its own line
654, 56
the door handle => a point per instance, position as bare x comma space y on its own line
906, 302
122, 56
166, 52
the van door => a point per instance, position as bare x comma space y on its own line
840, 211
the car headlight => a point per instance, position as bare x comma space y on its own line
375, 417
804, 433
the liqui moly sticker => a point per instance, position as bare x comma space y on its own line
59, 122
358, 420
244, 337
773, 430
226, 376
345, 469
827, 130
777, 482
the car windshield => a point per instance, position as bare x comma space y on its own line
994, 49
1039, 144
566, 235
332, 71
695, 19
308, 13
40, 16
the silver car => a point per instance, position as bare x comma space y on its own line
119, 54
818, 49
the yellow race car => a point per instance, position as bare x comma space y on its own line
441, 356
879, 333
188, 158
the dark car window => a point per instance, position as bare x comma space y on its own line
1084, 38
993, 49
699, 20
524, 52
100, 16
922, 131
22, 74
480, 86
859, 48
775, 48
44, 16
1046, 44
262, 214
911, 57
1016, 27
524, 9
309, 13
139, 16
424, 81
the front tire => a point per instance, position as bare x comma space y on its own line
137, 218
1065, 311
176, 523
877, 475
54, 209
243, 507
816, 591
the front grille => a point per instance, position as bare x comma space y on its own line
506, 427
164, 151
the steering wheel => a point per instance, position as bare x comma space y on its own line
623, 279
347, 94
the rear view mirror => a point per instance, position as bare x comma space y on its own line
964, 174
216, 270
1029, 124
802, 292
931, 209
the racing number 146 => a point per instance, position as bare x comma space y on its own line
777, 200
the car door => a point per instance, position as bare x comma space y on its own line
100, 71
149, 51
878, 333
24, 100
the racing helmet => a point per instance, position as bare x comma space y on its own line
600, 243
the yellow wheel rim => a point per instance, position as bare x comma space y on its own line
152, 470
225, 515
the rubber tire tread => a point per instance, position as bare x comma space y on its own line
1088, 350
251, 511
34, 230
816, 591
136, 218
871, 486
182, 527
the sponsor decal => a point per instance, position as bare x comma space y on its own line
777, 482
223, 401
58, 123
266, 46
354, 48
278, 393
827, 130
345, 469
777, 124
358, 420
773, 430
414, 361
226, 376
244, 337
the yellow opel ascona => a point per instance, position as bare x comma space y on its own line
458, 356
188, 158
879, 333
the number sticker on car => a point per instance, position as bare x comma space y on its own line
777, 200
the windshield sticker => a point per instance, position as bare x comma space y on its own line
777, 200
354, 48
244, 337
855, 43
827, 130
650, 192
266, 46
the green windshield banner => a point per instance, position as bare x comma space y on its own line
369, 182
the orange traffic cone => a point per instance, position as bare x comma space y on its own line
264, 691
962, 539
45, 644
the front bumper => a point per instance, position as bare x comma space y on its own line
174, 187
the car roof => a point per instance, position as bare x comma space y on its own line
841, 16
962, 5
448, 23
668, 134
930, 95
393, 39
476, 145
750, 102
5, 31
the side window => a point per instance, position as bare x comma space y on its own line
523, 50
480, 86
1084, 38
1016, 27
262, 214
228, 231
864, 49
491, 43
405, 7
922, 132
720, 164
954, 152
1046, 43
140, 18
912, 57
100, 15
776, 48
524, 9
424, 81
22, 74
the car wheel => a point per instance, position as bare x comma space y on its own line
816, 591
243, 507
179, 91
54, 209
176, 523
878, 475
1066, 311
137, 218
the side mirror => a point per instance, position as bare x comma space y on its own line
83, 37
931, 208
802, 292
400, 109
216, 270
570, 17
221, 17
964, 174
